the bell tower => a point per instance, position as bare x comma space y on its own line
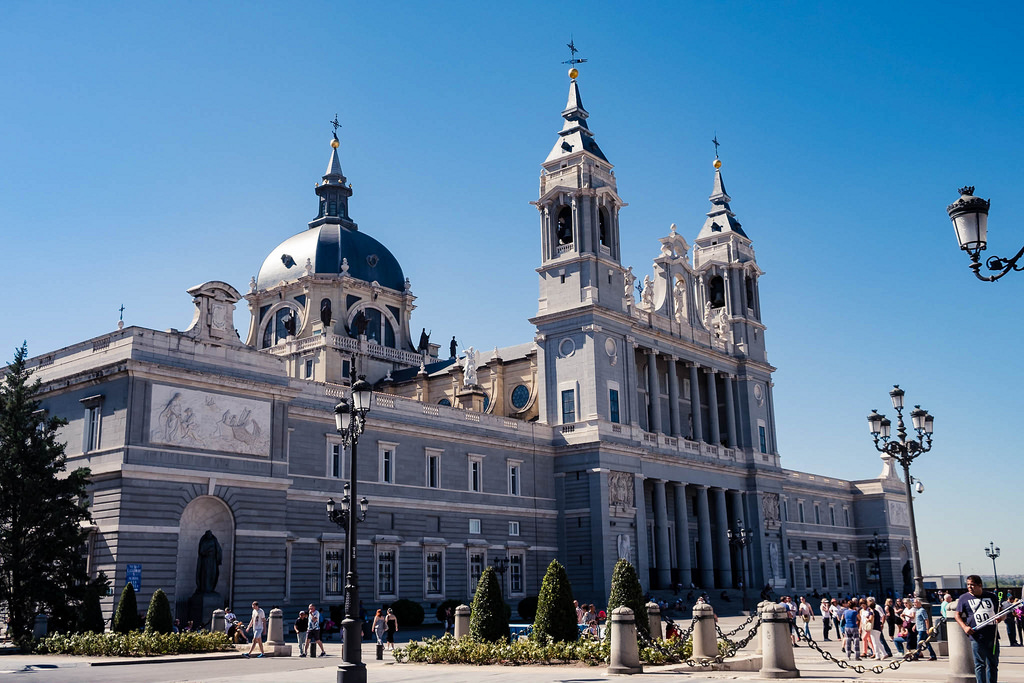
579, 219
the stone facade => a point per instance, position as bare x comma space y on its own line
631, 426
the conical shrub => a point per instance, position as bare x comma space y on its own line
126, 618
158, 616
556, 614
626, 592
488, 621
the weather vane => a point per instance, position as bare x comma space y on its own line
336, 126
715, 142
573, 60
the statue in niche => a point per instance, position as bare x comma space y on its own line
707, 315
208, 563
721, 328
325, 313
469, 367
647, 295
628, 280
774, 561
622, 546
679, 300
424, 344
620, 488
770, 509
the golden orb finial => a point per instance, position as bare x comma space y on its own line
573, 73
718, 163
335, 143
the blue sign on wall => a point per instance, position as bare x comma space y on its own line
134, 576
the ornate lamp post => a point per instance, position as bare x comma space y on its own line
970, 220
904, 450
500, 565
350, 419
739, 539
876, 548
992, 552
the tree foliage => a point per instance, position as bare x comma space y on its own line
488, 620
158, 616
626, 592
556, 614
126, 618
42, 507
409, 613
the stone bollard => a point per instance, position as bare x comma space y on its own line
705, 639
625, 653
462, 621
777, 659
40, 627
760, 632
217, 621
961, 656
275, 645
654, 621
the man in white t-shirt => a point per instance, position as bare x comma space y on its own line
257, 623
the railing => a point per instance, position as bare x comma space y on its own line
563, 248
335, 341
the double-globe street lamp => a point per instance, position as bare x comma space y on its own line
876, 548
904, 451
739, 540
350, 421
992, 552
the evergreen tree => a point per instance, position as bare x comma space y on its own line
488, 619
126, 618
556, 614
626, 592
158, 616
42, 507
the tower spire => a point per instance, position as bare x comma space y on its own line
575, 135
333, 190
720, 218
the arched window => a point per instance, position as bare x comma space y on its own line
602, 226
716, 291
564, 229
284, 323
750, 293
379, 327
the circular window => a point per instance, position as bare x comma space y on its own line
444, 402
567, 347
520, 397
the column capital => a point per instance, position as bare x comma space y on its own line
710, 370
679, 485
651, 351
692, 364
673, 358
701, 487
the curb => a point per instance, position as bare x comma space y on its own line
165, 659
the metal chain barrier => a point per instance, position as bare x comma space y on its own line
933, 632
725, 636
731, 649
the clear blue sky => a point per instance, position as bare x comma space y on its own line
148, 147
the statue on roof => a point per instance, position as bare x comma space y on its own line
452, 346
469, 367
325, 313
424, 344
647, 295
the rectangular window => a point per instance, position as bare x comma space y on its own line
476, 568
334, 583
93, 427
807, 574
762, 436
835, 547
817, 515
824, 576
613, 405
803, 545
568, 406
346, 368
515, 574
513, 479
434, 574
853, 573
474, 526
819, 545
832, 514
513, 528
386, 572
476, 475
334, 468
433, 469
839, 575
387, 462
800, 511
785, 510
846, 515
309, 368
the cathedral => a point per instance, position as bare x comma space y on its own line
638, 423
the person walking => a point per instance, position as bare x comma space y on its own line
301, 628
837, 622
826, 618
922, 621
867, 625
851, 634
806, 616
256, 623
1011, 624
380, 627
391, 621
315, 628
879, 626
972, 608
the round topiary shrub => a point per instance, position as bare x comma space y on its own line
126, 618
556, 614
158, 616
626, 592
488, 620
527, 608
408, 613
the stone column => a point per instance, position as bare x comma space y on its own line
624, 657
632, 414
682, 536
462, 621
662, 555
707, 566
721, 540
653, 392
730, 413
673, 397
715, 435
736, 503
698, 431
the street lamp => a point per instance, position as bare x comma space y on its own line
970, 221
904, 450
992, 552
739, 539
350, 422
500, 565
876, 548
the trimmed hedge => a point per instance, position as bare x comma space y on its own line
556, 614
448, 650
626, 592
133, 644
158, 616
488, 619
126, 618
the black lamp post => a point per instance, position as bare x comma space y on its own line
500, 565
904, 450
970, 220
739, 539
876, 548
350, 419
992, 552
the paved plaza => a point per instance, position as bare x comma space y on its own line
231, 668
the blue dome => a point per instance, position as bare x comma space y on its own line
325, 246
